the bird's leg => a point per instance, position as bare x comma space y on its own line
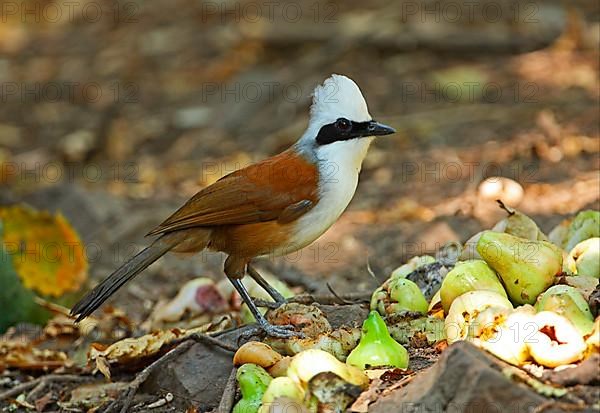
276, 295
270, 329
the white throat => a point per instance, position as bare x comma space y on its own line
339, 165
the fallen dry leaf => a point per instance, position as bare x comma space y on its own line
21, 354
103, 366
130, 350
361, 404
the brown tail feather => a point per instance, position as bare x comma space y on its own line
94, 299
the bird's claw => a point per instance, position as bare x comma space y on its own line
281, 331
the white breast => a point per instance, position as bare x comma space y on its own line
339, 167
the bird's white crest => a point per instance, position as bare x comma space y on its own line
338, 97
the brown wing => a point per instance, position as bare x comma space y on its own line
260, 192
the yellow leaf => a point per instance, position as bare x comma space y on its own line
46, 252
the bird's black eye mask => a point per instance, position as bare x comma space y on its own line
344, 129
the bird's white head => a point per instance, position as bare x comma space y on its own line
340, 127
338, 97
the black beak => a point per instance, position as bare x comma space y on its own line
344, 129
378, 129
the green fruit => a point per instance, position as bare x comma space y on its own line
311, 362
253, 381
519, 225
397, 295
466, 276
584, 226
569, 303
469, 250
376, 347
582, 283
586, 255
408, 297
412, 264
527, 268
426, 328
558, 234
378, 300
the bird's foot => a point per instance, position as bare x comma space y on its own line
284, 331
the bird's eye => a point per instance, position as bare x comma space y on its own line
343, 124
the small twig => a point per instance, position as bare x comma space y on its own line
180, 347
326, 299
37, 390
52, 307
24, 403
33, 384
508, 210
336, 295
127, 396
371, 272
266, 303
354, 298
206, 339
292, 276
236, 328
228, 398
161, 402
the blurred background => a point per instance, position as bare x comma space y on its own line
115, 113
